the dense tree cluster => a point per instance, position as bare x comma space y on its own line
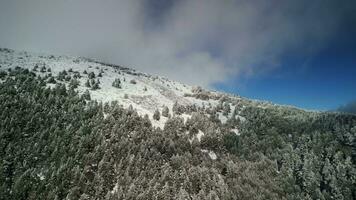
57, 144
312, 151
117, 83
156, 115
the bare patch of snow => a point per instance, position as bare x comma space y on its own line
236, 131
212, 155
41, 176
115, 189
204, 150
242, 119
199, 135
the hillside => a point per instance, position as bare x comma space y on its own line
144, 92
76, 128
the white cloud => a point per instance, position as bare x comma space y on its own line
196, 41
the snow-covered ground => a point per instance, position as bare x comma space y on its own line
148, 94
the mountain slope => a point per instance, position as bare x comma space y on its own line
146, 94
56, 143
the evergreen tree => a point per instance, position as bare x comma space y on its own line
43, 69
91, 75
117, 83
87, 83
86, 95
165, 111
74, 83
156, 115
226, 109
95, 85
51, 80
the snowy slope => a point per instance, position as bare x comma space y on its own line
148, 94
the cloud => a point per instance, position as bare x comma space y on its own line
193, 41
348, 108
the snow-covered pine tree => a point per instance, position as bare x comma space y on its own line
165, 111
156, 115
116, 83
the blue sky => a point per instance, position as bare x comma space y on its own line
323, 80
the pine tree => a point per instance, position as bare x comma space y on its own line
156, 115
51, 80
43, 69
95, 86
226, 109
117, 83
91, 75
178, 109
87, 83
86, 95
165, 111
74, 83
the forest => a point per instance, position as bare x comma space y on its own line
58, 144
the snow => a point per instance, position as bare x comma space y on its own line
41, 176
242, 119
199, 135
211, 154
148, 94
115, 189
204, 150
222, 118
236, 131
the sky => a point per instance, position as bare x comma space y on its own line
299, 52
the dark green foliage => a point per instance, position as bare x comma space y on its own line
87, 83
156, 115
74, 83
231, 142
178, 109
116, 83
51, 80
309, 149
62, 75
67, 78
95, 85
86, 95
226, 109
43, 69
3, 74
165, 111
76, 75
56, 144
91, 75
